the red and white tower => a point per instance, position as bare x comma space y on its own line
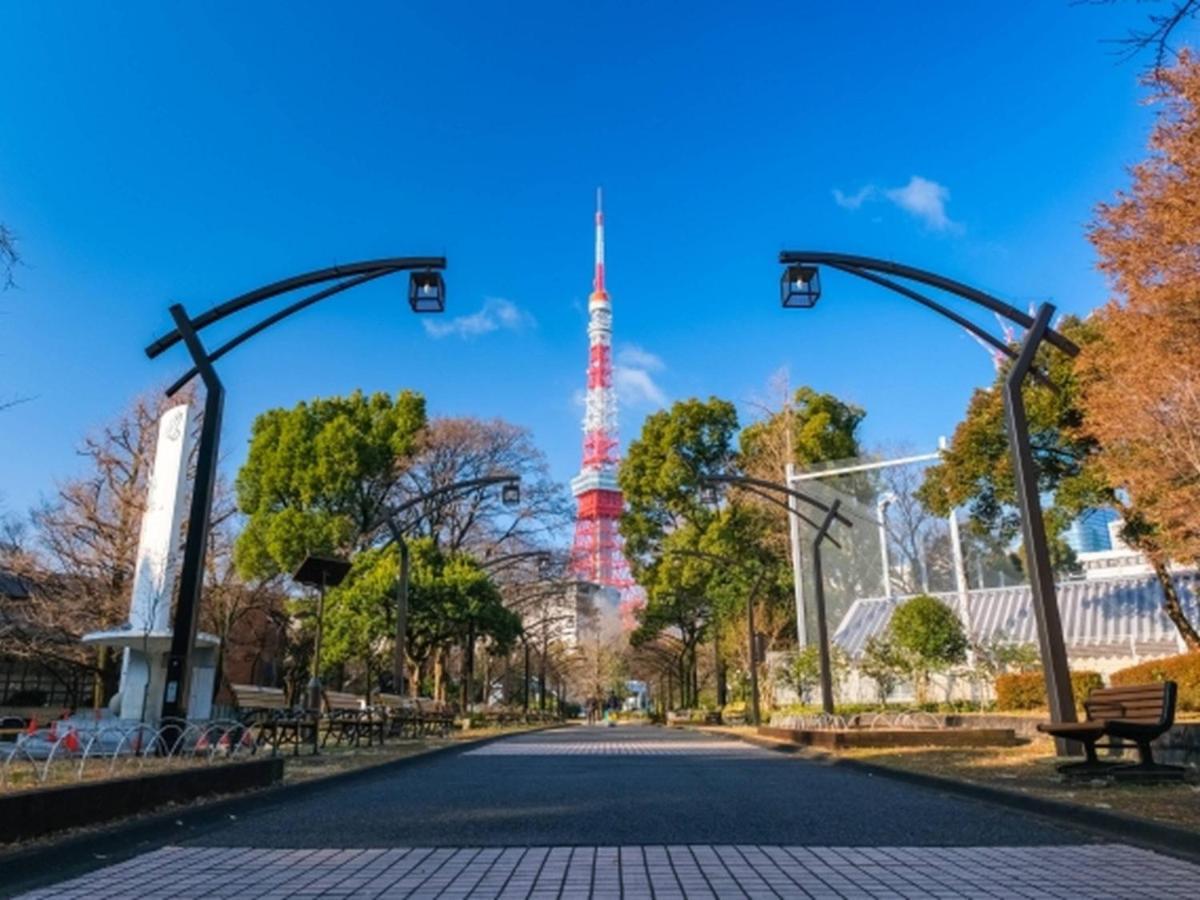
598, 555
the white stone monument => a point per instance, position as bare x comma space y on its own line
146, 637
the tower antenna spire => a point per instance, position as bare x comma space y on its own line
598, 280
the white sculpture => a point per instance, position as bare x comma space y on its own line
146, 637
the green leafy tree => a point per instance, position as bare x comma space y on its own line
359, 626
884, 664
660, 475
319, 476
976, 469
930, 636
813, 427
453, 602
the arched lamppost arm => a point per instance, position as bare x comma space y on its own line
270, 320
790, 510
743, 480
849, 262
982, 333
333, 273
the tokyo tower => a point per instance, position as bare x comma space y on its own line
597, 555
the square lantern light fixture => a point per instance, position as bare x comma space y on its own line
427, 292
800, 287
510, 493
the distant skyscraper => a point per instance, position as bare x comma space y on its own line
1089, 533
598, 554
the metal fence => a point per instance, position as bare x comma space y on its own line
66, 751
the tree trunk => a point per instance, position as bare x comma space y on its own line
468, 671
1172, 606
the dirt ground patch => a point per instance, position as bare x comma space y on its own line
1028, 768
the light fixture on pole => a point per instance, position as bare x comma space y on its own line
427, 291
321, 572
510, 493
800, 287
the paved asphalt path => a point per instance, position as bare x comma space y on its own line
627, 785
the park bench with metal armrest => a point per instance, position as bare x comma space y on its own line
1137, 713
348, 719
435, 716
403, 716
276, 721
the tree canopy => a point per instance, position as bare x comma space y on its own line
319, 476
1142, 376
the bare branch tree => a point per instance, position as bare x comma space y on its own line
1158, 34
9, 258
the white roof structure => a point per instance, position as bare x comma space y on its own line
1101, 617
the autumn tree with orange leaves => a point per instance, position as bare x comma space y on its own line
1141, 378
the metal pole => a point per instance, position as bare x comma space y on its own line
885, 563
1033, 527
401, 650
195, 550
314, 681
797, 560
526, 691
960, 579
542, 670
822, 625
754, 710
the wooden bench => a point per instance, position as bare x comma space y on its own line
1137, 713
435, 717
348, 719
277, 722
403, 718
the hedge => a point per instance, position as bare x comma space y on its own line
1184, 670
1027, 690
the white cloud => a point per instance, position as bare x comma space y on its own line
495, 314
855, 200
633, 356
926, 200
637, 387
633, 379
922, 198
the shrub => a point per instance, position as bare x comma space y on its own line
927, 633
1027, 690
1184, 670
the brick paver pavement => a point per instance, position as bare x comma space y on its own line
1093, 870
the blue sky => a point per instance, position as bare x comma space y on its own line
152, 153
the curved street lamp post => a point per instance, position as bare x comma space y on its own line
510, 495
832, 513
800, 288
426, 294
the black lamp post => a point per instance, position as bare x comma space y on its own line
1041, 576
321, 572
426, 294
832, 513
510, 495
